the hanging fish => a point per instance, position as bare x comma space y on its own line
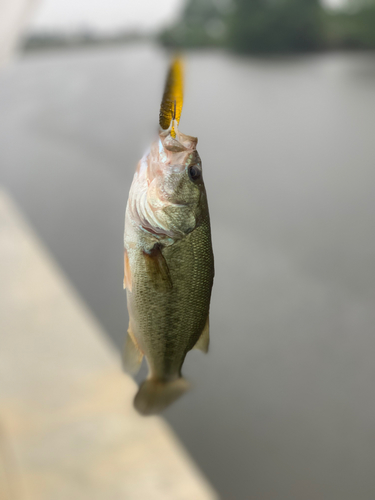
169, 266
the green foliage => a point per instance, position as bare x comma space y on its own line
203, 24
353, 29
276, 26
273, 26
260, 26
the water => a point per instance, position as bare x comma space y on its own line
283, 406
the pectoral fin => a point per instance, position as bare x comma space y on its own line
157, 269
204, 340
132, 356
127, 272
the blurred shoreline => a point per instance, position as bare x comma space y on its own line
84, 39
60, 42
256, 28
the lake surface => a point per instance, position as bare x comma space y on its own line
283, 406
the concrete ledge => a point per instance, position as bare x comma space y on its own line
67, 426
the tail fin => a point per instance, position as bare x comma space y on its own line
155, 395
171, 105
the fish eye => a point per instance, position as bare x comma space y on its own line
194, 173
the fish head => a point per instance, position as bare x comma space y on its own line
175, 191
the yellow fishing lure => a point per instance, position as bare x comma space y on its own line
171, 105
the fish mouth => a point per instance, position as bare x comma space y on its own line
171, 153
181, 142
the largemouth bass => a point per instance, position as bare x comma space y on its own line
169, 267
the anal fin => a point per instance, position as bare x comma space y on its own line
204, 340
132, 355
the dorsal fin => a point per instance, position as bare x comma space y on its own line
171, 105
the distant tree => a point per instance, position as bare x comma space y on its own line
203, 23
277, 26
357, 4
354, 26
273, 26
259, 26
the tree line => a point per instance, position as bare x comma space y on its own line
273, 26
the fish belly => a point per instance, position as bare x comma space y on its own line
167, 323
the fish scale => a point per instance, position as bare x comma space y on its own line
176, 318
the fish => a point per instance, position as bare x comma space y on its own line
168, 257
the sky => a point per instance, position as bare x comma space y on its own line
105, 15
333, 3
109, 15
